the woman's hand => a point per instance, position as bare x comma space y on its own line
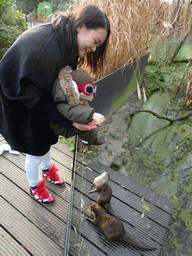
98, 118
84, 127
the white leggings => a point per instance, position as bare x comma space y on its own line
32, 165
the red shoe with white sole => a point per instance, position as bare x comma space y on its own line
52, 176
41, 194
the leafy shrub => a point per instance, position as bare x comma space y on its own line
11, 16
12, 24
8, 34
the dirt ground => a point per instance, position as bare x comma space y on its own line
114, 151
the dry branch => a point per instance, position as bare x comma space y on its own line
164, 117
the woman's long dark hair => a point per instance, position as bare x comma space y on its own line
93, 18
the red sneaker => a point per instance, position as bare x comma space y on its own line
52, 176
41, 194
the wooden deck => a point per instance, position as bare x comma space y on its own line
28, 228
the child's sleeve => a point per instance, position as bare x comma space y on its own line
80, 114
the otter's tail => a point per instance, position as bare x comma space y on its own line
133, 241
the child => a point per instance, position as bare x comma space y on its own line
71, 91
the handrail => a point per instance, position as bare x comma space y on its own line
68, 228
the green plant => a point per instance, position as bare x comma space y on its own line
12, 24
90, 151
114, 136
184, 86
11, 16
64, 7
82, 150
8, 35
70, 142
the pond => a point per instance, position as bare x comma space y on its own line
160, 156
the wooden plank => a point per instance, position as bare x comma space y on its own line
64, 148
40, 216
81, 246
95, 235
10, 246
28, 234
132, 186
12, 172
19, 160
128, 197
36, 213
127, 203
143, 229
88, 231
50, 225
140, 228
79, 222
125, 213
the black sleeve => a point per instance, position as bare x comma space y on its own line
54, 116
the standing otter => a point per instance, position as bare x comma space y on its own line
113, 228
99, 181
104, 191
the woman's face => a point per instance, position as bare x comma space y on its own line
89, 39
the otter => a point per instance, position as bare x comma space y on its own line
112, 227
104, 191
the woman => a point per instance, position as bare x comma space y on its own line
27, 74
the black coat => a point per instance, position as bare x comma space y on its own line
27, 74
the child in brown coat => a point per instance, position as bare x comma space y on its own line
71, 91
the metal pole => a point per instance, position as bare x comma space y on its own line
68, 228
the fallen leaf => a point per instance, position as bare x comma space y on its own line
63, 192
145, 206
188, 133
82, 202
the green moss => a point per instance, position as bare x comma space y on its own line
115, 167
115, 136
175, 244
153, 80
160, 152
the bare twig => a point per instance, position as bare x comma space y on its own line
164, 117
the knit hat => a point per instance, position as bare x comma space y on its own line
85, 83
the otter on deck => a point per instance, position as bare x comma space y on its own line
28, 228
